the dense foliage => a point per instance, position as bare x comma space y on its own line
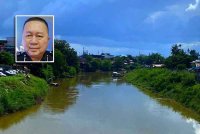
6, 58
154, 58
178, 85
66, 63
18, 92
179, 59
70, 55
93, 64
66, 60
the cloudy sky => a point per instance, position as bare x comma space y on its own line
117, 26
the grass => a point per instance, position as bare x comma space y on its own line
180, 86
17, 92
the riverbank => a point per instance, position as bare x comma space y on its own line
18, 92
176, 85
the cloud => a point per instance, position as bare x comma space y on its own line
176, 11
191, 45
192, 7
167, 12
53, 6
21, 7
59, 37
2, 38
95, 49
154, 16
63, 7
112, 23
95, 44
195, 125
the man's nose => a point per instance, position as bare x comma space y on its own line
33, 40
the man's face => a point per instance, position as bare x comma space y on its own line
35, 39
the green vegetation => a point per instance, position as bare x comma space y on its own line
6, 58
93, 64
47, 72
149, 59
180, 86
66, 60
66, 63
18, 92
106, 65
118, 63
180, 59
70, 57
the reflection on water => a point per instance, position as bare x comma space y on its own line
187, 113
58, 100
171, 104
61, 97
95, 103
91, 78
14, 118
195, 125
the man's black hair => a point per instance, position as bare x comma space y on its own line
37, 19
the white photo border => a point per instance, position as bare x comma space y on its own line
16, 16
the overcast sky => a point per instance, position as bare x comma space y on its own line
117, 26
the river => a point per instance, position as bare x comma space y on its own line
95, 103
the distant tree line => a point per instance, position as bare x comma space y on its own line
178, 60
67, 62
6, 58
93, 64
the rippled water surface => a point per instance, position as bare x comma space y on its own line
95, 103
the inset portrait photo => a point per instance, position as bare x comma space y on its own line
34, 38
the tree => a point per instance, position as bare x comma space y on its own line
47, 72
95, 64
179, 59
72, 71
59, 63
106, 65
142, 59
156, 58
176, 49
91, 64
118, 63
6, 58
194, 55
70, 55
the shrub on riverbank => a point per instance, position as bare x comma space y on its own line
17, 92
178, 85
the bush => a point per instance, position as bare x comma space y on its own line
178, 85
17, 92
72, 71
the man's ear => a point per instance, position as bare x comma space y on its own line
48, 38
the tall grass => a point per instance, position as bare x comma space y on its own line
17, 92
180, 86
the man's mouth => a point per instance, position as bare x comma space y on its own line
34, 49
